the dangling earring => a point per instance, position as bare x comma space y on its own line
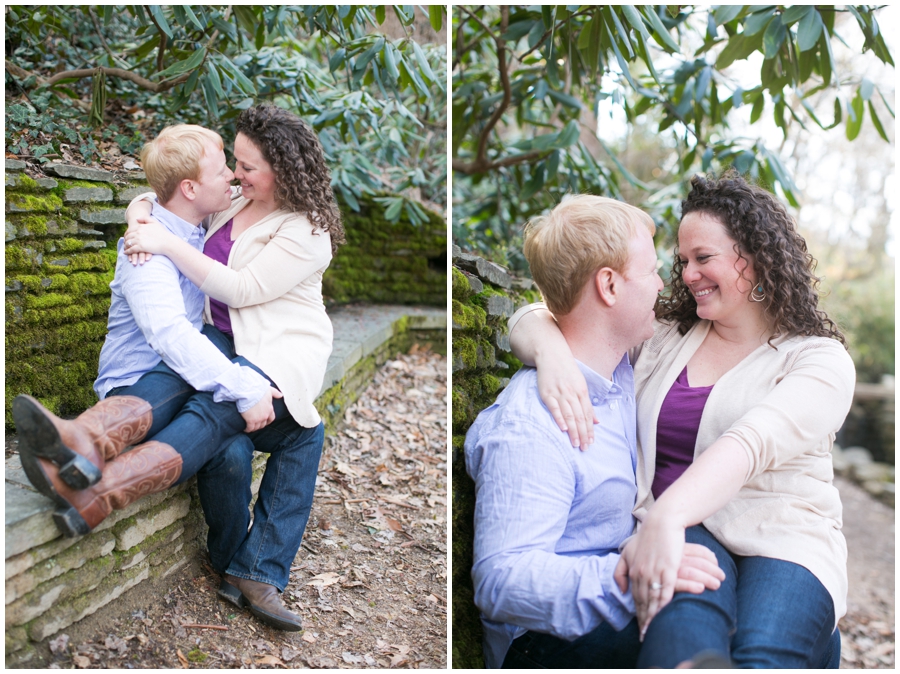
758, 295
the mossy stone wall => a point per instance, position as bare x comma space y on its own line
61, 235
398, 263
485, 295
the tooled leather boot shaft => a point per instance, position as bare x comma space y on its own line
146, 469
111, 425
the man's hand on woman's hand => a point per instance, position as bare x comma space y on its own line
262, 413
658, 564
145, 239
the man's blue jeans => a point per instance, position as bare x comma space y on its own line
199, 429
604, 648
768, 613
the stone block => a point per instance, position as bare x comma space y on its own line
136, 529
67, 612
125, 196
110, 216
501, 340
47, 183
32, 203
856, 456
877, 472
29, 518
499, 306
16, 639
91, 194
488, 271
10, 231
474, 282
12, 180
162, 539
47, 595
15, 165
22, 562
79, 172
88, 548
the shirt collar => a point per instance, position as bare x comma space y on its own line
600, 388
174, 223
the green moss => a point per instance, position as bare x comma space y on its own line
197, 655
34, 202
36, 225
47, 301
466, 350
466, 317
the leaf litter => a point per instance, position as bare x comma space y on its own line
370, 580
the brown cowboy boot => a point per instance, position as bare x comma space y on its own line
146, 469
262, 600
80, 447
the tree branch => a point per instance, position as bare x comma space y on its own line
475, 166
161, 49
481, 162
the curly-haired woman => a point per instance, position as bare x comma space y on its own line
261, 269
739, 394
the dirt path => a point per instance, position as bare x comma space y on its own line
370, 581
867, 630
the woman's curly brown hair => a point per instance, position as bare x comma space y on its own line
302, 179
762, 227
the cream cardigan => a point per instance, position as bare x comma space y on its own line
273, 288
784, 407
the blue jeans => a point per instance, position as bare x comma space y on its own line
210, 439
265, 552
190, 421
768, 613
604, 648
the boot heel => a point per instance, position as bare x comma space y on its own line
79, 473
70, 523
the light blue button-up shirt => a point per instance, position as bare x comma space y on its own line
156, 314
549, 518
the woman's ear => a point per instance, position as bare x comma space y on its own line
605, 280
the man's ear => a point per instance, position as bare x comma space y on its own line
186, 187
605, 280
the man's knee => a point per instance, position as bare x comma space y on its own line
233, 462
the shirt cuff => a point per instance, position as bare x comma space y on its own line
527, 309
243, 385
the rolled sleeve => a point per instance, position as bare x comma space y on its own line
155, 298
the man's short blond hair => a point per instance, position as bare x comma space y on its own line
583, 234
174, 155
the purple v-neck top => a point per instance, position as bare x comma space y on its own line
218, 247
676, 431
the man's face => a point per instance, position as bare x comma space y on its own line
212, 190
642, 284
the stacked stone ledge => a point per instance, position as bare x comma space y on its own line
485, 295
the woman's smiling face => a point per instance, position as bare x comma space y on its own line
255, 173
719, 279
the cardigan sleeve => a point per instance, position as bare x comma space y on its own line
291, 256
809, 402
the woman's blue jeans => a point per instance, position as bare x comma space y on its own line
210, 439
768, 613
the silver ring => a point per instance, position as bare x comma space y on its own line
656, 586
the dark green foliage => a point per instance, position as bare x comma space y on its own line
519, 142
378, 105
